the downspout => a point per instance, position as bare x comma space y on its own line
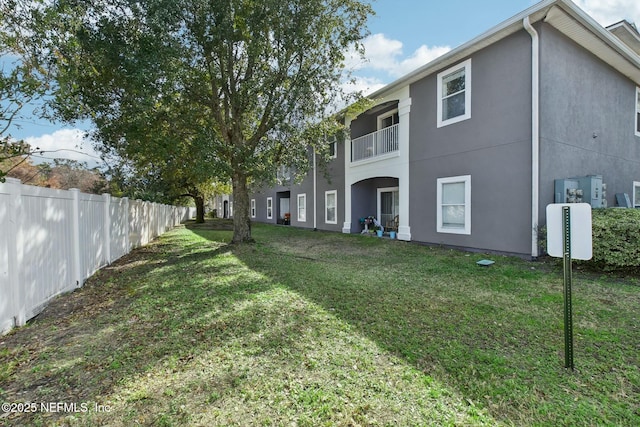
315, 191
535, 133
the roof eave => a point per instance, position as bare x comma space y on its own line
536, 13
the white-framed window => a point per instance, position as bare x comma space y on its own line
454, 94
331, 207
388, 119
283, 175
333, 149
638, 111
636, 194
302, 207
269, 207
454, 205
253, 208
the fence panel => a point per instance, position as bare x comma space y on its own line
47, 246
6, 292
119, 227
93, 255
51, 241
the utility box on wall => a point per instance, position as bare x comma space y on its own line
587, 189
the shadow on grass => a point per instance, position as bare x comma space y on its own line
154, 309
177, 328
492, 335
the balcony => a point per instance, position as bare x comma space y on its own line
375, 144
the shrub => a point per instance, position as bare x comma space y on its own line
616, 239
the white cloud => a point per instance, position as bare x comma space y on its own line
64, 144
608, 12
386, 55
365, 85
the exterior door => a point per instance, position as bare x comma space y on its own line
388, 205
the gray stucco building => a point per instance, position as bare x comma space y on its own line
464, 151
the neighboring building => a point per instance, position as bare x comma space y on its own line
317, 202
464, 151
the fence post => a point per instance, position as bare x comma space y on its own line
106, 241
77, 261
16, 252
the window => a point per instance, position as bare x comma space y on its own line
330, 207
269, 207
638, 111
283, 175
253, 208
454, 94
388, 119
636, 194
454, 205
302, 207
333, 149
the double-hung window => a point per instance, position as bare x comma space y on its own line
269, 207
454, 205
253, 208
454, 94
636, 194
302, 207
331, 207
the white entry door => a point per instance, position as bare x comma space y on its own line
388, 204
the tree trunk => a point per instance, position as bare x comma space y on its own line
241, 215
199, 209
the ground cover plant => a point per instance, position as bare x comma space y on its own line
312, 328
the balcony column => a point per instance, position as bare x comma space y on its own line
346, 226
404, 108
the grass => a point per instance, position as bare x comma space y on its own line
311, 329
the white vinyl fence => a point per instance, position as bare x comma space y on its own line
51, 241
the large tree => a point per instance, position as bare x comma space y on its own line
246, 78
22, 79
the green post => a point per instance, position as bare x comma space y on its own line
568, 321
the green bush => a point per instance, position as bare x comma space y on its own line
616, 239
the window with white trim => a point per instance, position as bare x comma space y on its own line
388, 119
636, 194
331, 207
302, 207
269, 207
454, 94
253, 208
283, 175
454, 205
333, 149
638, 111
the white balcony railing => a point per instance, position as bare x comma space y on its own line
375, 144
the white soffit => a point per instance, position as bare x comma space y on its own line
604, 45
623, 31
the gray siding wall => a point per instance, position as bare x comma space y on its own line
581, 96
332, 179
493, 146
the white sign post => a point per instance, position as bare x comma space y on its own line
569, 237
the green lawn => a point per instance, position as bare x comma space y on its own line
310, 329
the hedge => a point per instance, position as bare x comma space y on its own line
616, 240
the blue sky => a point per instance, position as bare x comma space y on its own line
405, 34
